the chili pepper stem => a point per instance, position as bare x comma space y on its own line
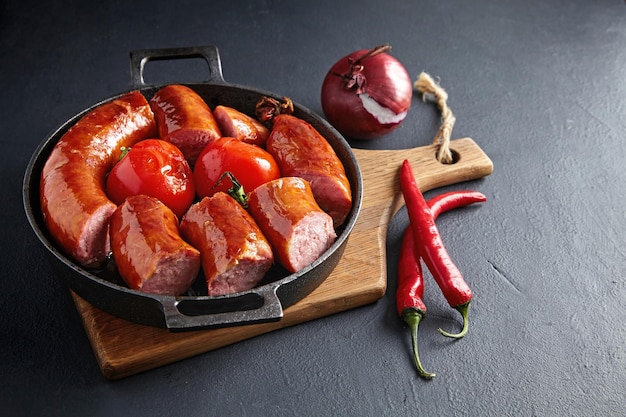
412, 317
464, 310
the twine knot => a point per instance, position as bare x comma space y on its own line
431, 90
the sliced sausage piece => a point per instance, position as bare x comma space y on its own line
147, 248
233, 123
235, 253
184, 119
75, 207
301, 151
297, 228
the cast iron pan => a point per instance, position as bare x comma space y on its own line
195, 310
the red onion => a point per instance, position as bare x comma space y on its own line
367, 94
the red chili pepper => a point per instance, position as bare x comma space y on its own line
432, 250
409, 303
453, 199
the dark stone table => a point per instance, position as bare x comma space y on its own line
540, 86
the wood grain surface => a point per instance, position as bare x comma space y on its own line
123, 348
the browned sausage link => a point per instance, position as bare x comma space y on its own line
297, 228
75, 207
301, 151
235, 124
148, 251
235, 253
184, 119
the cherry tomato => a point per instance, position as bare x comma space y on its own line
250, 165
156, 168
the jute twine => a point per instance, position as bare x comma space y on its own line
431, 90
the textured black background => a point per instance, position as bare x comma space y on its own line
540, 86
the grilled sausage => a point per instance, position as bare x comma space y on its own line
75, 207
301, 151
233, 123
184, 119
297, 228
147, 248
235, 253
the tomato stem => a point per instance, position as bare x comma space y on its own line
464, 310
236, 191
412, 317
124, 151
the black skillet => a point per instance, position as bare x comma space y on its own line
194, 310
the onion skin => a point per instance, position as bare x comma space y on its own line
382, 78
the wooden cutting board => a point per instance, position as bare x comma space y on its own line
123, 348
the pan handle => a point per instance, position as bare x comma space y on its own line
257, 306
210, 53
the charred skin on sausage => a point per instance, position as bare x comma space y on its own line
148, 250
297, 228
76, 209
301, 151
233, 123
235, 253
184, 119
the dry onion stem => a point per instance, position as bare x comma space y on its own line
429, 88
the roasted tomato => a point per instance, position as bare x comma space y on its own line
249, 164
156, 168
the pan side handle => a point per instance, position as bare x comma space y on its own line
260, 305
139, 58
